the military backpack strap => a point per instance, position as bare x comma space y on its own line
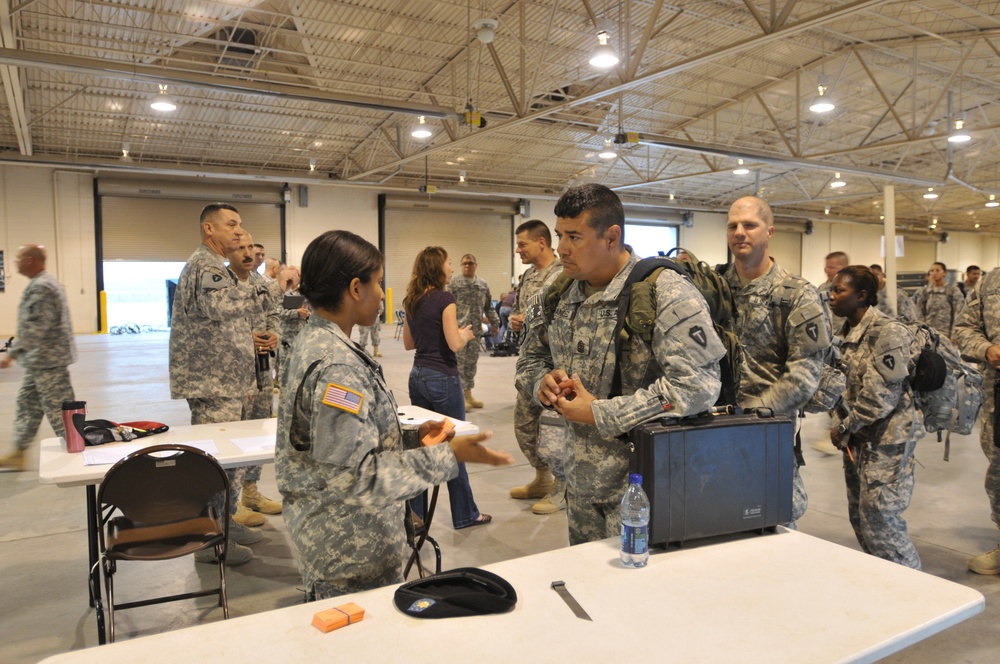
643, 276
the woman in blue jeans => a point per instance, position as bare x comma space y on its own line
431, 327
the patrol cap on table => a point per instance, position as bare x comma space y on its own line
465, 591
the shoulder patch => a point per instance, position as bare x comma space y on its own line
212, 280
343, 398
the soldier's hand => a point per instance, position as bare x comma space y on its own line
993, 356
575, 403
6, 362
549, 391
515, 322
303, 312
265, 341
468, 449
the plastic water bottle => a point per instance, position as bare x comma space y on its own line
635, 524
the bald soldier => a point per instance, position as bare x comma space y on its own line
44, 347
781, 324
472, 295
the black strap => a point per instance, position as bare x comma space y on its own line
996, 414
639, 272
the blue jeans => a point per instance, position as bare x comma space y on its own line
442, 393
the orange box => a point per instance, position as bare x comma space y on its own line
337, 617
441, 436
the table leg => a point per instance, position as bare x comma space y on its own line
94, 571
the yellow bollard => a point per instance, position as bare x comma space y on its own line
104, 313
388, 306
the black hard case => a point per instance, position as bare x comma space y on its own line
714, 475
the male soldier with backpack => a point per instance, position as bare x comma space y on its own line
570, 355
780, 321
977, 332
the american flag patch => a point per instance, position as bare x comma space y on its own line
343, 398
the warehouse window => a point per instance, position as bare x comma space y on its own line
650, 239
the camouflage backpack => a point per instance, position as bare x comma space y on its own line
637, 312
946, 390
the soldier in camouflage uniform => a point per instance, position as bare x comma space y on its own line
977, 332
474, 302
904, 305
781, 324
834, 263
344, 464
569, 358
939, 304
878, 422
44, 347
533, 243
212, 346
264, 324
292, 320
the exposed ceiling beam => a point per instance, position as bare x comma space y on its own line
158, 75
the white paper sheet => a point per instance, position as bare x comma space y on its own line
254, 443
105, 455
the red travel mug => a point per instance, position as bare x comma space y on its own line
74, 410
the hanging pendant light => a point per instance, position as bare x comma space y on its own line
960, 134
608, 152
605, 56
421, 129
740, 168
163, 102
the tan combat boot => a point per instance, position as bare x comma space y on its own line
987, 563
375, 352
470, 401
538, 488
16, 461
258, 502
247, 517
554, 502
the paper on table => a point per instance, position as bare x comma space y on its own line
255, 443
108, 454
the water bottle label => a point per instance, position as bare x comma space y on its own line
635, 539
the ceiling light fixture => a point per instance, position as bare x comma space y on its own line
312, 164
931, 194
421, 129
125, 152
960, 135
608, 152
826, 210
671, 195
934, 223
977, 225
837, 182
822, 103
993, 202
604, 56
461, 177
163, 102
740, 168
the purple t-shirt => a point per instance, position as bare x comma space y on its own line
428, 333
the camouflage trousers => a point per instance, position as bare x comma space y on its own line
879, 488
468, 362
325, 588
800, 499
992, 453
590, 522
373, 331
215, 410
261, 408
41, 394
543, 443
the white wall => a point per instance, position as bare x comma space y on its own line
330, 208
56, 209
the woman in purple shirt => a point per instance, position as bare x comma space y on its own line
431, 327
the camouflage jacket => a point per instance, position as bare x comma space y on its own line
291, 322
904, 306
939, 307
533, 286
44, 329
340, 460
978, 326
677, 375
266, 313
877, 356
783, 329
473, 299
210, 334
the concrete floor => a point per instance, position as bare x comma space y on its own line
43, 555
